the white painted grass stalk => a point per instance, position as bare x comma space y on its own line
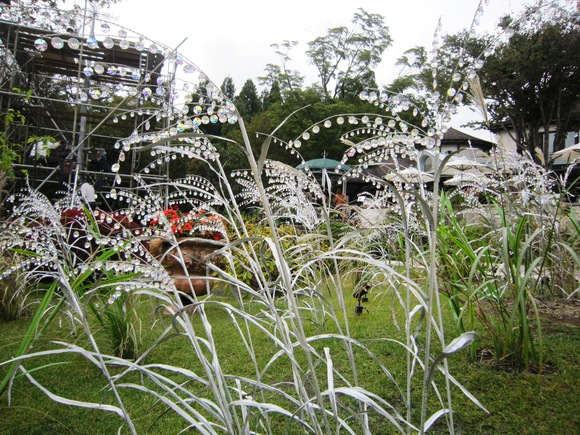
80, 312
283, 268
434, 305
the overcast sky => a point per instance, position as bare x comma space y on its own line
234, 37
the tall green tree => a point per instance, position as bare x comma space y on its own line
272, 96
287, 79
416, 74
228, 88
248, 102
345, 56
531, 80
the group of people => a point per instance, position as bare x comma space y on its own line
87, 190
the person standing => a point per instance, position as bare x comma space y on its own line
102, 166
67, 165
88, 194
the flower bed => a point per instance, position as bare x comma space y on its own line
201, 224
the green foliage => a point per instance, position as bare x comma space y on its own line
492, 280
123, 324
306, 364
36, 324
542, 89
228, 88
509, 397
310, 109
9, 157
248, 102
9, 152
77, 287
338, 228
281, 78
12, 293
253, 262
346, 56
452, 64
530, 80
272, 96
366, 41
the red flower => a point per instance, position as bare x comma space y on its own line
195, 224
172, 215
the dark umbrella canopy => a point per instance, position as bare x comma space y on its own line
324, 163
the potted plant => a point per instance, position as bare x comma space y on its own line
185, 242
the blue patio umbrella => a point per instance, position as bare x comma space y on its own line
325, 166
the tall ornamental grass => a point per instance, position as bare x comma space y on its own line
279, 271
88, 272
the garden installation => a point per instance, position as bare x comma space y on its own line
213, 286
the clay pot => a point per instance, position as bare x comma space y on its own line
187, 261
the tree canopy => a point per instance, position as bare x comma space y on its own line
345, 56
530, 78
228, 88
354, 52
533, 82
285, 78
248, 102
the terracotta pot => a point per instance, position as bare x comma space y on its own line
187, 261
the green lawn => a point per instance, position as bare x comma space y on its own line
518, 403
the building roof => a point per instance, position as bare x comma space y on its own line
459, 139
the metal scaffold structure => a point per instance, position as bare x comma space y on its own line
66, 93
74, 83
